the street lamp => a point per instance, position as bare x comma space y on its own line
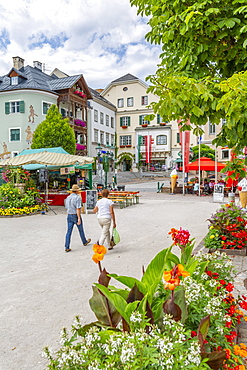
106, 156
99, 166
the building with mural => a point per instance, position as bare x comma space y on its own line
26, 93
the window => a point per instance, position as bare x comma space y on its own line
101, 118
160, 119
96, 136
112, 122
144, 100
130, 102
64, 112
225, 154
107, 139
142, 120
124, 121
178, 138
15, 107
95, 115
125, 88
125, 140
141, 140
107, 120
14, 80
14, 134
46, 106
223, 121
211, 128
120, 103
112, 140
102, 138
161, 140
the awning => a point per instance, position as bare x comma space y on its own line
48, 159
206, 164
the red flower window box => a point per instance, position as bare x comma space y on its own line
122, 146
128, 146
145, 125
124, 126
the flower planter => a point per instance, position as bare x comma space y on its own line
162, 124
124, 126
144, 125
231, 252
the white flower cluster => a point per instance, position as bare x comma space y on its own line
164, 345
136, 317
115, 343
94, 366
194, 291
213, 306
92, 336
193, 356
128, 352
70, 357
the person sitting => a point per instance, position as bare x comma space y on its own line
196, 187
206, 188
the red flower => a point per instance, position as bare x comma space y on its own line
193, 334
229, 287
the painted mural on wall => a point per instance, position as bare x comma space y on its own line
32, 114
5, 154
29, 136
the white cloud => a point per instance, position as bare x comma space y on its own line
103, 39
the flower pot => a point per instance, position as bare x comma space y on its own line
144, 125
231, 252
124, 126
20, 186
162, 124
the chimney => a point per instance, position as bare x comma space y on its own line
37, 64
18, 62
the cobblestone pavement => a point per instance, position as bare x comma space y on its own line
42, 288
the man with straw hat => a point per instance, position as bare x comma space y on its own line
73, 206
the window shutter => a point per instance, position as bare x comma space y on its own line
158, 118
22, 106
140, 120
128, 121
63, 112
121, 121
7, 108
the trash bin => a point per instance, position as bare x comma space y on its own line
100, 187
121, 187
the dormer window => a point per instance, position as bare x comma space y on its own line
14, 80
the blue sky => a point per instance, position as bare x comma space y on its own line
103, 39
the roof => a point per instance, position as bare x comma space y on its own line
96, 94
127, 77
34, 78
64, 82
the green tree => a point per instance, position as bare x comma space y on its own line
205, 151
202, 74
54, 131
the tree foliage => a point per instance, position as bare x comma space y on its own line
205, 151
54, 131
202, 74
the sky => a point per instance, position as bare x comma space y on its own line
101, 39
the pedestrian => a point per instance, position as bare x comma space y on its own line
242, 187
196, 187
105, 214
73, 206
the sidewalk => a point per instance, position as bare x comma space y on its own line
43, 288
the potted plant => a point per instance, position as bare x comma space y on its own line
227, 231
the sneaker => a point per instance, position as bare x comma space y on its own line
67, 250
88, 241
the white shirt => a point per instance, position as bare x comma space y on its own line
104, 208
243, 184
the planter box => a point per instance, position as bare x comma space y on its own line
231, 252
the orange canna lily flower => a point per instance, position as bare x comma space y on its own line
97, 248
99, 252
172, 277
181, 271
167, 275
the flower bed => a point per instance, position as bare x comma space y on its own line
15, 201
180, 315
227, 230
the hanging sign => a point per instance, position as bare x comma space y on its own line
67, 170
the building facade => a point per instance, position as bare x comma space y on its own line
26, 93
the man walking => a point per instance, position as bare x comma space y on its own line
73, 206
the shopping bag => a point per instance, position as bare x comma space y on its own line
115, 235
